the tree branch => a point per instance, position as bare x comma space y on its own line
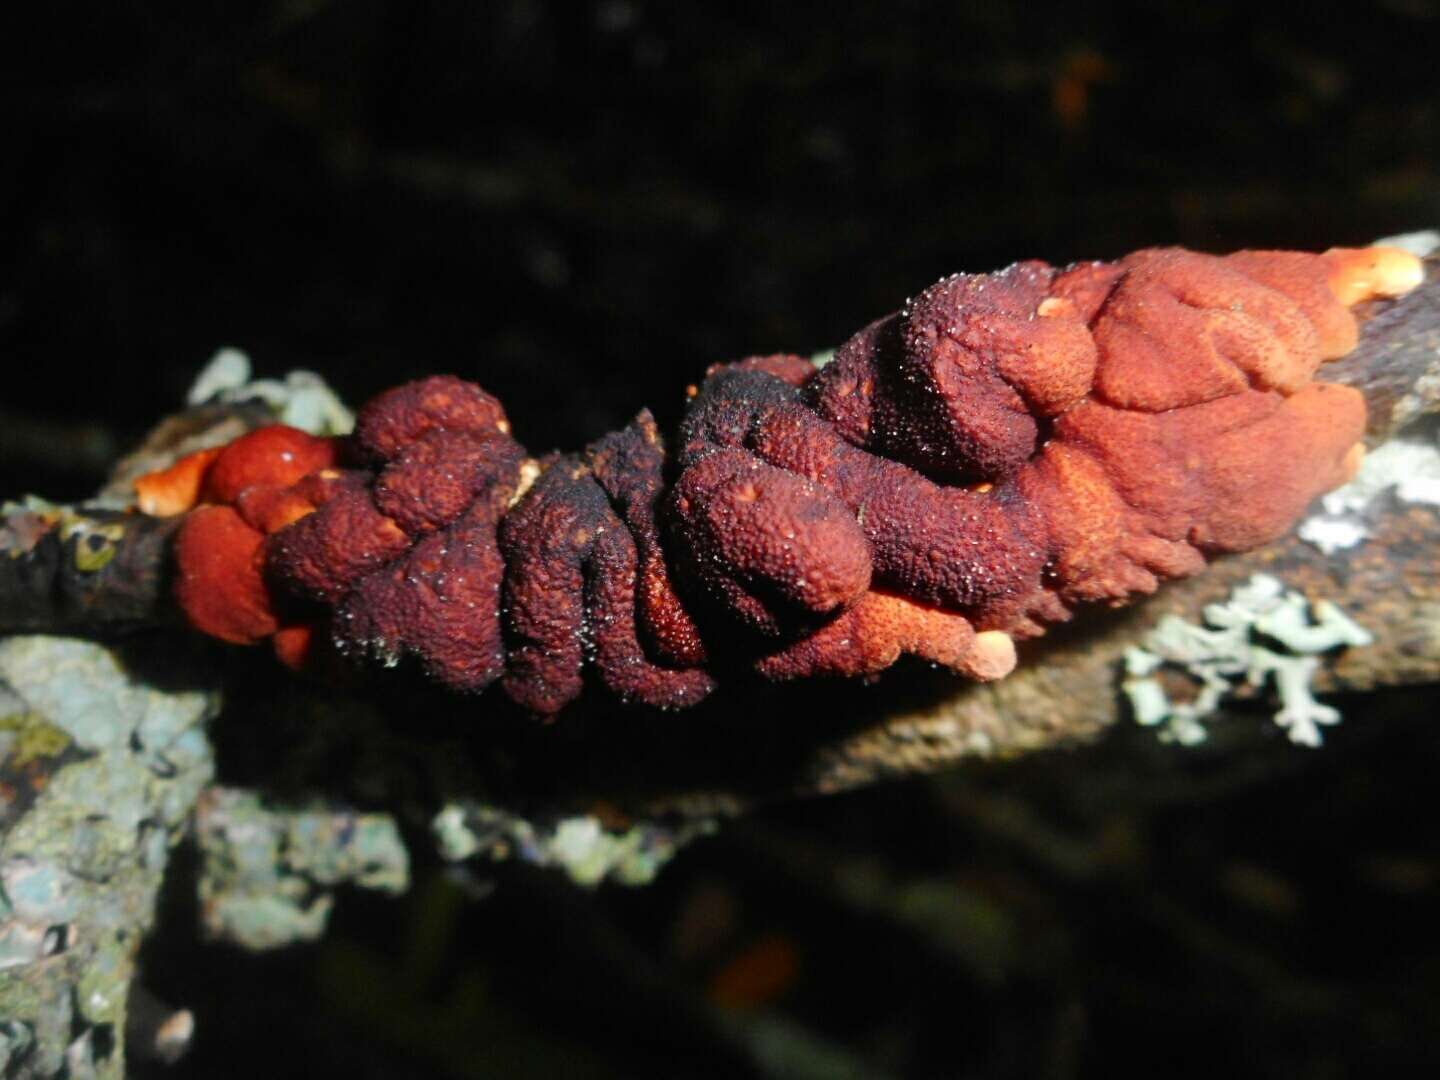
822, 736
609, 791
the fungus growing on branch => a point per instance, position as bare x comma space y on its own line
963, 473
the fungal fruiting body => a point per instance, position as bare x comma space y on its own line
963, 473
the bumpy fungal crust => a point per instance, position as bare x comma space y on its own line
433, 480
963, 473
399, 417
547, 540
957, 547
959, 382
324, 555
773, 548
611, 611
571, 592
629, 464
439, 601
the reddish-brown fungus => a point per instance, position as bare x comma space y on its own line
962, 473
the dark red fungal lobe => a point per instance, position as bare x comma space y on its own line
440, 601
399, 417
572, 586
774, 549
726, 408
324, 554
844, 392
546, 539
956, 383
610, 611
430, 482
967, 550
630, 465
939, 545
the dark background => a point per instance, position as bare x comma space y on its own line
581, 205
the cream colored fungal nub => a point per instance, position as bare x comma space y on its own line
1056, 307
530, 471
993, 657
1375, 273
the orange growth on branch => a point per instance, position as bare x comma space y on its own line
963, 473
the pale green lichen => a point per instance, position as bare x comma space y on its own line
27, 504
17, 1038
1263, 631
581, 845
267, 871
302, 399
80, 869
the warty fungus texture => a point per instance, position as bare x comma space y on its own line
963, 473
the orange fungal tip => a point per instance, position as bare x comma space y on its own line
293, 645
1374, 273
171, 491
276, 455
219, 581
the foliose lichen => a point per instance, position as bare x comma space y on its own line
1263, 631
302, 399
588, 850
99, 773
268, 874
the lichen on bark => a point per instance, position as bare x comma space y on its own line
100, 770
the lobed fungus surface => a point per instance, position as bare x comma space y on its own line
963, 473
